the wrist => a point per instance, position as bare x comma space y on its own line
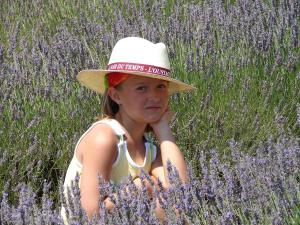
165, 137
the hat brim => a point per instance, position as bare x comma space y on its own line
94, 80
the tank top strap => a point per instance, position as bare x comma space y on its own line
112, 123
152, 150
115, 125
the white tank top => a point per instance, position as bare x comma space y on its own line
121, 168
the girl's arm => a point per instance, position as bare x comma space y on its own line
98, 154
168, 151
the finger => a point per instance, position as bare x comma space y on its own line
170, 115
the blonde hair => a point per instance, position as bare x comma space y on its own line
109, 107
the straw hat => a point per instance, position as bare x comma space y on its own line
134, 55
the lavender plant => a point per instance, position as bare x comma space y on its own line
243, 56
260, 189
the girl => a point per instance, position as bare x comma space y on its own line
136, 86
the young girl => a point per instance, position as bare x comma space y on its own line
136, 87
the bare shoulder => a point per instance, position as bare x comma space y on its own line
98, 153
98, 143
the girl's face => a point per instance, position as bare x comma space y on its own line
143, 99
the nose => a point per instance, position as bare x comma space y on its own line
154, 95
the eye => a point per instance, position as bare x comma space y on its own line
162, 86
141, 88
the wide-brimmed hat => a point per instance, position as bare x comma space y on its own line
137, 56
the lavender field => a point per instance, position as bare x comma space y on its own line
239, 132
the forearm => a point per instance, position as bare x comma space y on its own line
170, 151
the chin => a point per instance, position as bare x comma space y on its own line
153, 119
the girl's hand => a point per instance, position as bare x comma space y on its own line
164, 119
139, 183
162, 128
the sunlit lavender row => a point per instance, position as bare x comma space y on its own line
261, 189
238, 131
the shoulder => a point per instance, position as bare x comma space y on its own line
98, 153
99, 142
102, 133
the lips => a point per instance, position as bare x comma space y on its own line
153, 107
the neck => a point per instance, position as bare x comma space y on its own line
134, 129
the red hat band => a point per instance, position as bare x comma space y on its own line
136, 67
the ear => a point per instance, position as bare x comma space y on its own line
114, 95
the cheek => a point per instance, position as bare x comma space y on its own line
166, 100
165, 105
135, 103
